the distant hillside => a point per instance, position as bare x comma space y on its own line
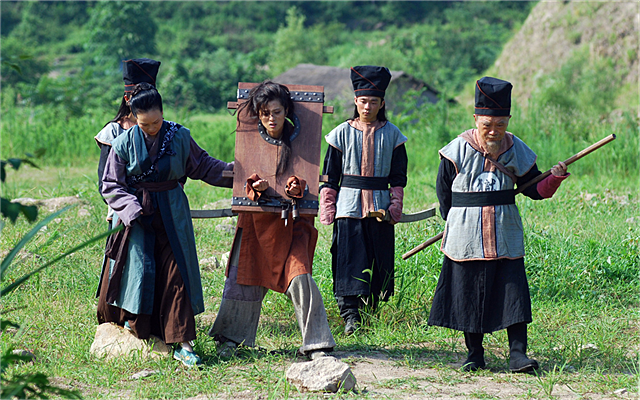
573, 35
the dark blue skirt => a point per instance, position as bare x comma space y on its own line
362, 258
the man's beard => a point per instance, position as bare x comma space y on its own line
493, 146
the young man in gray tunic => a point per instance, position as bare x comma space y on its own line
483, 286
366, 166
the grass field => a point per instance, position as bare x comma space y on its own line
582, 263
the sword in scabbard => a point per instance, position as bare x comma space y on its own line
520, 189
383, 215
219, 213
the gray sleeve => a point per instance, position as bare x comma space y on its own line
114, 190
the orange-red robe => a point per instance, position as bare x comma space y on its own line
272, 254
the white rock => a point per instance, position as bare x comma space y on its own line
224, 259
211, 262
620, 391
225, 228
144, 373
52, 204
24, 353
589, 346
324, 374
114, 341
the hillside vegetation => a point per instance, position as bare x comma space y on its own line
75, 48
572, 47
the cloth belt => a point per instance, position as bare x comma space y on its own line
365, 182
482, 199
156, 186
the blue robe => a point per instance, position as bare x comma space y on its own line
130, 163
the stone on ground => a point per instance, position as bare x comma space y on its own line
25, 353
52, 204
324, 374
144, 373
226, 228
112, 341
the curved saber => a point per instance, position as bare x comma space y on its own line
382, 215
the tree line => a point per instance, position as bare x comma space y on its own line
69, 53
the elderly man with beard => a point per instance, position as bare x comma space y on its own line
483, 286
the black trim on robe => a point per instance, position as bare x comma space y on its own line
365, 182
483, 199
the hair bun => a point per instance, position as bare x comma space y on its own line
141, 87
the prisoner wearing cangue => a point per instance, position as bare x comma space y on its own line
269, 253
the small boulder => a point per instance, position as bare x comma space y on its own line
24, 353
112, 341
224, 259
324, 374
226, 228
211, 262
144, 373
52, 204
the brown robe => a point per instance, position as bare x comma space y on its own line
272, 254
172, 319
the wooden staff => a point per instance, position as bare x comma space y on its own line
520, 189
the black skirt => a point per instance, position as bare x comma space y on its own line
481, 296
362, 258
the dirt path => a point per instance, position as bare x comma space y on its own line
380, 376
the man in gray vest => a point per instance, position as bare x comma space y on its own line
483, 286
366, 166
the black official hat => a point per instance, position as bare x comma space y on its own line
138, 70
493, 97
369, 80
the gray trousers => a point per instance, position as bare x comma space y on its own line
239, 313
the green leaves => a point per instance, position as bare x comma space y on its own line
12, 210
6, 263
30, 386
120, 30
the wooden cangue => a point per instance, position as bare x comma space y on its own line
257, 153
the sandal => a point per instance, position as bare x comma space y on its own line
188, 358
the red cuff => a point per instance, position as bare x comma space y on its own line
327, 205
395, 208
302, 184
548, 186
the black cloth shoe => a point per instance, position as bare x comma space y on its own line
351, 323
475, 357
519, 362
349, 307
